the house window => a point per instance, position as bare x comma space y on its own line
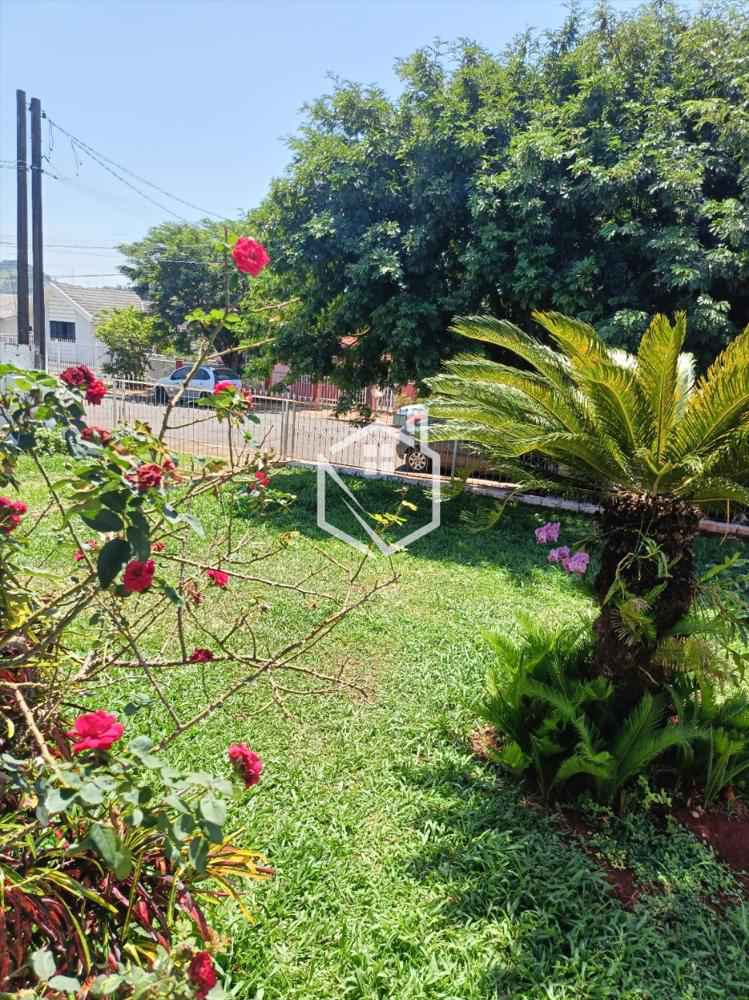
61, 331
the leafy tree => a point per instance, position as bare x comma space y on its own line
653, 445
601, 170
179, 267
130, 336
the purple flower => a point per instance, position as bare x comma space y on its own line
558, 555
577, 563
547, 533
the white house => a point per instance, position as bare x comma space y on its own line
72, 313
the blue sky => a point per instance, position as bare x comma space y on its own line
196, 96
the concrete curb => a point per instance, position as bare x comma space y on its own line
485, 488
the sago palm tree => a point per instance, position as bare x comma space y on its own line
654, 445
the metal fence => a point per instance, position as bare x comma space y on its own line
292, 429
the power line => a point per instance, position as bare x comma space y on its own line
83, 251
103, 160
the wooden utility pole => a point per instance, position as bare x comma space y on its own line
40, 332
22, 221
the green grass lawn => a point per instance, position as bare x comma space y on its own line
406, 869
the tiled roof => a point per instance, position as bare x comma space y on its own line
93, 300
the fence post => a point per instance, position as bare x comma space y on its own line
290, 447
284, 428
452, 465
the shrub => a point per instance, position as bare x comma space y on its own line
130, 336
562, 724
574, 732
104, 844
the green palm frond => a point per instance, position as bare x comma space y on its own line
608, 420
577, 340
499, 332
719, 402
643, 738
657, 374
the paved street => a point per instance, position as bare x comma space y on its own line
289, 429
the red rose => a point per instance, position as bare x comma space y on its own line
95, 392
11, 512
250, 256
262, 478
201, 656
158, 547
96, 434
146, 476
222, 387
95, 731
202, 972
168, 465
138, 576
218, 577
78, 375
247, 762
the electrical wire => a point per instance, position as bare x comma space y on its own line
102, 159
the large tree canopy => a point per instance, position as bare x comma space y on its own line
601, 170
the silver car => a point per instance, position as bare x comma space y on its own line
203, 382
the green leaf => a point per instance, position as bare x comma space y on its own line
194, 523
140, 744
91, 794
58, 799
170, 514
103, 520
198, 851
212, 810
170, 593
43, 964
108, 845
65, 984
115, 500
111, 559
139, 536
104, 986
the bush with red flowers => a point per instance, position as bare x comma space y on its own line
105, 843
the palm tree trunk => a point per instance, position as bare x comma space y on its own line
648, 542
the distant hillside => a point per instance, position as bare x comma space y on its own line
8, 277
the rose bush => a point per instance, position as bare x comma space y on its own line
104, 843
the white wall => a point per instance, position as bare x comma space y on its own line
87, 349
12, 353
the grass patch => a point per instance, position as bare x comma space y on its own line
406, 869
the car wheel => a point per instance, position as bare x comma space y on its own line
160, 396
417, 461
